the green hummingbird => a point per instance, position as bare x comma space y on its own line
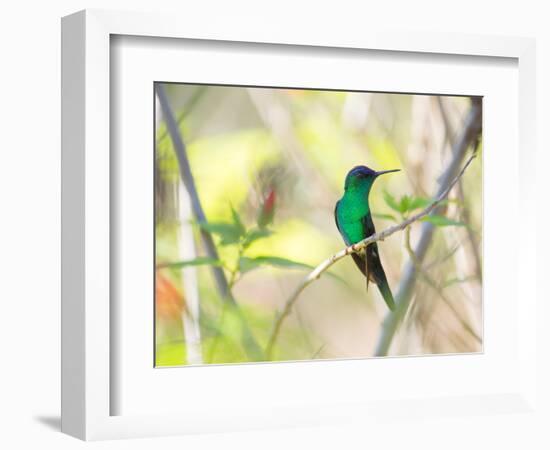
354, 222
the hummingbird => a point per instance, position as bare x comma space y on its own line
354, 222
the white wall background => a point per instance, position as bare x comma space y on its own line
30, 198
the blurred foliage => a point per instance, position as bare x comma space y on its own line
269, 166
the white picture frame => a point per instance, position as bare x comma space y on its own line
87, 355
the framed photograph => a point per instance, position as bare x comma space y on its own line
263, 229
272, 196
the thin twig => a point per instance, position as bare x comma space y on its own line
318, 352
445, 257
437, 288
465, 213
191, 103
250, 345
449, 134
321, 268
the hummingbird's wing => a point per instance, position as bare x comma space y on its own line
359, 258
336, 220
374, 269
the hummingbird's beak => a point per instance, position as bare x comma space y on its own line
382, 172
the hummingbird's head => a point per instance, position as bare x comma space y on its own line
363, 176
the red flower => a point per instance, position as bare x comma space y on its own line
267, 210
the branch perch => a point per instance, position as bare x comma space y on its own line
325, 265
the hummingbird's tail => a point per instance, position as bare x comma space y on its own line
386, 293
375, 272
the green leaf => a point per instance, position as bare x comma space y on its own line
404, 204
237, 221
254, 235
246, 264
441, 221
423, 202
391, 202
419, 202
229, 232
409, 203
384, 216
200, 261
265, 218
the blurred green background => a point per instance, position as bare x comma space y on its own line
269, 166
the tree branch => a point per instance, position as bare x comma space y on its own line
249, 343
469, 134
325, 265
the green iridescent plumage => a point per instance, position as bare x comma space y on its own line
354, 222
